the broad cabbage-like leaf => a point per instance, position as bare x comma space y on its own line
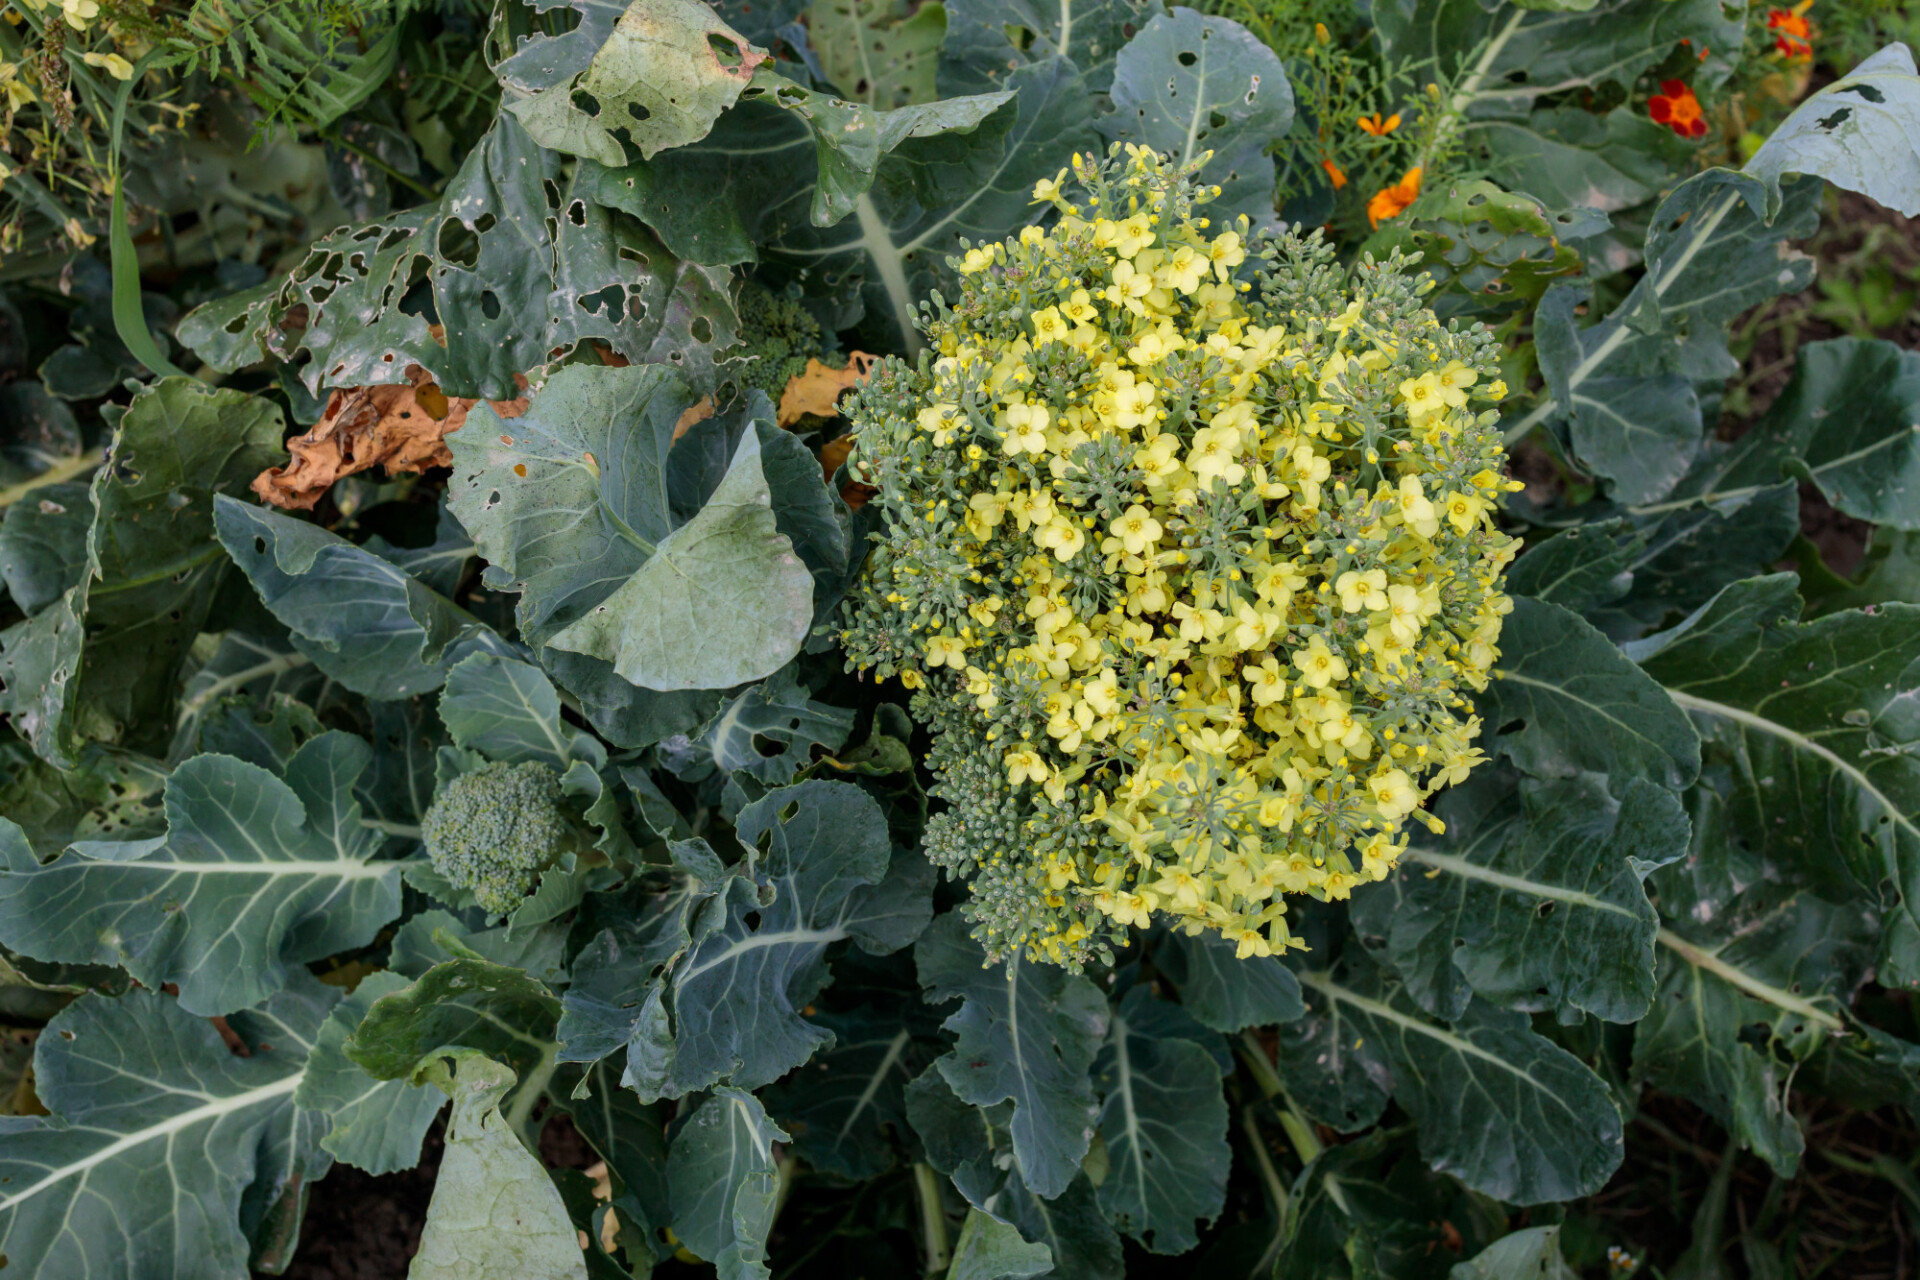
1191, 84
1504, 1110
570, 504
375, 1125
515, 266
724, 1183
988, 38
1535, 901
357, 616
654, 76
1564, 700
100, 663
467, 1003
508, 710
775, 712
255, 877
1027, 1034
1164, 1121
1861, 132
735, 997
1225, 992
158, 1131
1815, 723
989, 1249
495, 1212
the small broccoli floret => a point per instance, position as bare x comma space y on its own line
777, 337
494, 830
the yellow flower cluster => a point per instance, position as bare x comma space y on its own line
1190, 550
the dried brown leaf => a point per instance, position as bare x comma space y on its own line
817, 390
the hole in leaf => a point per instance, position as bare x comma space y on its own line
458, 244
768, 747
584, 101
1186, 57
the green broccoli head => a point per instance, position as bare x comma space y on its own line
494, 830
777, 337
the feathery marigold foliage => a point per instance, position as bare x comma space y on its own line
1190, 550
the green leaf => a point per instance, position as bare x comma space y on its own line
1626, 384
1225, 992
1753, 985
735, 996
1164, 1120
360, 619
254, 878
721, 600
1565, 701
1507, 1112
1490, 251
989, 1249
988, 38
468, 1003
656, 78
1861, 132
508, 710
43, 544
101, 662
879, 52
1027, 1033
1581, 568
570, 505
1070, 1225
840, 1106
495, 1212
514, 264
1502, 59
375, 1125
725, 1184
1813, 722
1847, 422
1533, 1253
1539, 906
1569, 158
158, 1132
1190, 84
775, 712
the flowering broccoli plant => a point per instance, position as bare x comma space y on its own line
973, 639
1190, 549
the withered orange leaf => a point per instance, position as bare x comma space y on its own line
817, 390
402, 427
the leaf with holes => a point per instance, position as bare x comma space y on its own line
1861, 132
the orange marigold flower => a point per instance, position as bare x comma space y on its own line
1335, 174
1795, 38
1393, 201
1377, 127
1676, 107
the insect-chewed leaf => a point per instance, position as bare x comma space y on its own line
43, 544
724, 1183
880, 52
356, 615
375, 1125
101, 662
1027, 1034
1539, 906
1861, 132
570, 504
824, 876
516, 266
1225, 992
1164, 1120
659, 73
158, 1131
1505, 1111
255, 877
775, 711
1814, 722
495, 1212
1564, 700
1192, 83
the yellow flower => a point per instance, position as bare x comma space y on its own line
1319, 666
116, 66
1025, 765
947, 651
1268, 680
1362, 589
1394, 792
1136, 529
1026, 428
